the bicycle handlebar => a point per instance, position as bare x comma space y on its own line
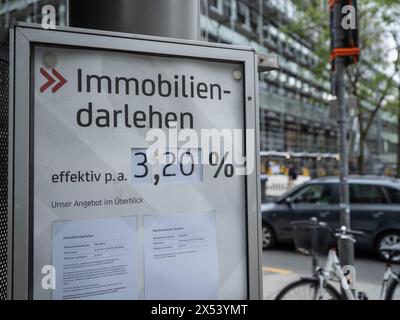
342, 232
345, 234
352, 232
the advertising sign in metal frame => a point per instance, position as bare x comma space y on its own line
25, 38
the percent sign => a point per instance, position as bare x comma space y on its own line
228, 168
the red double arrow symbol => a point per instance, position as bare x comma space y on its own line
51, 80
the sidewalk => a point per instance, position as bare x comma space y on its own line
275, 280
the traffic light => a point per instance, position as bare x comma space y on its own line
344, 30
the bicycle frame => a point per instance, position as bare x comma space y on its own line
388, 277
333, 270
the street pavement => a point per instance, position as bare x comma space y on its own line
283, 265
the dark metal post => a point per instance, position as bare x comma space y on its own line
398, 134
346, 246
165, 18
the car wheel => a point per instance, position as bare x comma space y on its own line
268, 236
387, 239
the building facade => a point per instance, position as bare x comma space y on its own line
295, 116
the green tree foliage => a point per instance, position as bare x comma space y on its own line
372, 79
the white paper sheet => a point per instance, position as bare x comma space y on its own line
181, 257
95, 259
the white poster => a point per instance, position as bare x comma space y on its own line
181, 257
95, 259
91, 136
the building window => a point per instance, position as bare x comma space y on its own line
254, 20
217, 6
243, 14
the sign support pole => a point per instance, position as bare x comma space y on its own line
346, 246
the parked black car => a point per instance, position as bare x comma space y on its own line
374, 205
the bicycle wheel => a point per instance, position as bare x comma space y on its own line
393, 292
307, 289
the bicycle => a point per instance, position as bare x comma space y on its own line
390, 289
315, 238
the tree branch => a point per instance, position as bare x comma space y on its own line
383, 96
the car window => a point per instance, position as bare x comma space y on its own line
314, 193
394, 195
361, 193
